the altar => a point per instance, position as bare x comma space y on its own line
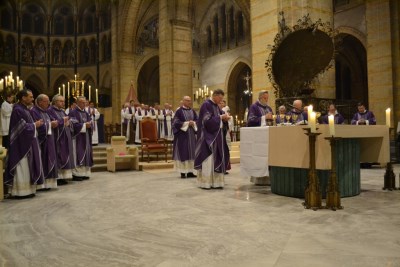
281, 152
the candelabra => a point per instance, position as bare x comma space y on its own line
312, 194
75, 88
202, 94
9, 86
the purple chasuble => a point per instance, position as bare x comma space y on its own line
184, 144
256, 112
211, 138
63, 139
367, 116
46, 143
338, 119
23, 143
84, 154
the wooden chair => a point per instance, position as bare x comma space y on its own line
150, 142
120, 154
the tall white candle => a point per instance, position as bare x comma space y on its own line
309, 110
89, 93
331, 119
1, 85
311, 122
59, 90
388, 117
68, 90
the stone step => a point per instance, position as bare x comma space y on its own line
234, 154
156, 165
99, 160
234, 160
99, 168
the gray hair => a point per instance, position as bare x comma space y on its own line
40, 98
55, 98
261, 93
80, 97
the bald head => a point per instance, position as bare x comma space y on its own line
187, 101
298, 104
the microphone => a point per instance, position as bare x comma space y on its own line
300, 110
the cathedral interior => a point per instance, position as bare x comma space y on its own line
157, 51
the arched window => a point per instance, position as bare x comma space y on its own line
40, 52
9, 50
232, 23
84, 52
6, 18
87, 20
56, 52
216, 30
223, 23
92, 47
63, 22
33, 19
240, 24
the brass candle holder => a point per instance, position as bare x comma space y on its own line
312, 194
332, 191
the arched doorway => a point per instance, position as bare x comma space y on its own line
149, 82
35, 84
239, 90
351, 69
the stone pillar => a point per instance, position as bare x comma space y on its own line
379, 58
175, 50
264, 27
395, 13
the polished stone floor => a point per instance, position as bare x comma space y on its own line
154, 218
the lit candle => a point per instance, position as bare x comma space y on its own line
331, 119
68, 89
311, 122
388, 117
97, 96
21, 84
1, 85
17, 81
59, 89
89, 93
309, 110
11, 74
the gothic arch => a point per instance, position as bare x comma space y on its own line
356, 33
148, 82
235, 84
351, 68
129, 20
34, 83
106, 80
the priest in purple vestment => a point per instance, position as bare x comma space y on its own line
297, 114
63, 140
24, 166
212, 153
184, 145
81, 140
338, 118
46, 141
260, 114
363, 116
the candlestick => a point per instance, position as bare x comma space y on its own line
311, 122
331, 119
388, 117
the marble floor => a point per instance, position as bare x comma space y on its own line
154, 218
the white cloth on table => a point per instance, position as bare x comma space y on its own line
254, 151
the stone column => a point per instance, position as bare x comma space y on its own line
395, 13
379, 57
175, 50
